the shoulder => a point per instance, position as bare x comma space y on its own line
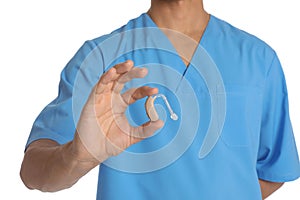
93, 47
132, 23
239, 38
240, 45
228, 30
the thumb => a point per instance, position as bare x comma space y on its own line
148, 129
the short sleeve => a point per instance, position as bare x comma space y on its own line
56, 121
277, 156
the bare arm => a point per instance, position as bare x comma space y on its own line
48, 166
268, 188
102, 131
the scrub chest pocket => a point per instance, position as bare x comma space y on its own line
243, 114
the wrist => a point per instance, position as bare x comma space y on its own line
79, 152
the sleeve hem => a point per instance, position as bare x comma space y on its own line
57, 138
279, 179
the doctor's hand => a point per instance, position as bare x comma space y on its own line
103, 129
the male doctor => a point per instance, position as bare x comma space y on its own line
99, 118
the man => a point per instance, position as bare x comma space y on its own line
250, 158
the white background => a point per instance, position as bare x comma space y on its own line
37, 39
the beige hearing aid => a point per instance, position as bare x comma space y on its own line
151, 111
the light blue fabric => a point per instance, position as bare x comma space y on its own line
256, 140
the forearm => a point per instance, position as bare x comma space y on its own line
51, 167
48, 166
268, 188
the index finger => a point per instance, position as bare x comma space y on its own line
112, 75
124, 67
135, 72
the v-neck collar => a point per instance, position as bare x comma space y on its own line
184, 68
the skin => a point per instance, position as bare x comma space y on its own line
102, 131
48, 166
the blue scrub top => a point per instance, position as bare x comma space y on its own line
232, 105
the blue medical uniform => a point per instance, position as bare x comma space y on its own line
256, 139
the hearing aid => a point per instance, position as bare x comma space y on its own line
151, 111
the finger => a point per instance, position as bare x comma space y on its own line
134, 94
133, 73
146, 130
124, 66
113, 74
109, 76
106, 81
136, 72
